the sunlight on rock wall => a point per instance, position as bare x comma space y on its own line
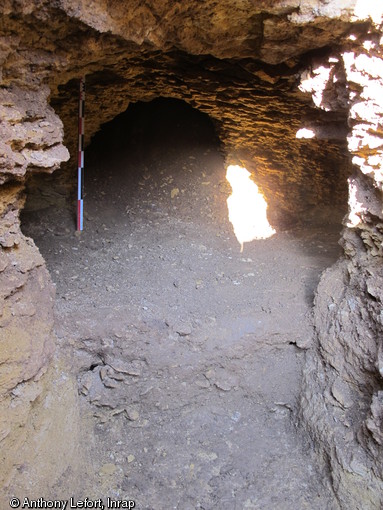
305, 133
365, 9
344, 376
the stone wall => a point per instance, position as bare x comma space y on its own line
32, 393
342, 399
242, 63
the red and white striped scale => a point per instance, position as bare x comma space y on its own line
80, 165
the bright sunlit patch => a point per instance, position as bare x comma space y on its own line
315, 82
364, 140
247, 207
356, 208
305, 133
365, 9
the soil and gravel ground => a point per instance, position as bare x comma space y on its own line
188, 353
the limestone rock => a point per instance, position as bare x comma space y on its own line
375, 423
346, 364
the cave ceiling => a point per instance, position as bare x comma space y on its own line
239, 62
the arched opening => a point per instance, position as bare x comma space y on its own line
157, 159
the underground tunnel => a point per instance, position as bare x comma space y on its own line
166, 354
160, 302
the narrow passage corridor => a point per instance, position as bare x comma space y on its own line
188, 353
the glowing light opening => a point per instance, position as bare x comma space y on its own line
247, 207
305, 133
356, 208
365, 9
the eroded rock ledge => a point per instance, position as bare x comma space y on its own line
241, 63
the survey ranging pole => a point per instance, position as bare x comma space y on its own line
80, 164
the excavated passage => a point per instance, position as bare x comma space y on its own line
188, 353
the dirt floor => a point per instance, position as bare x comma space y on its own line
188, 353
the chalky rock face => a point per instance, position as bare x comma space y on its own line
342, 399
255, 67
30, 141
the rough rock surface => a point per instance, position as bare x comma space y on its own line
344, 376
31, 398
31, 136
240, 62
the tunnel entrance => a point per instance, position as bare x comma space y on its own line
187, 353
146, 161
